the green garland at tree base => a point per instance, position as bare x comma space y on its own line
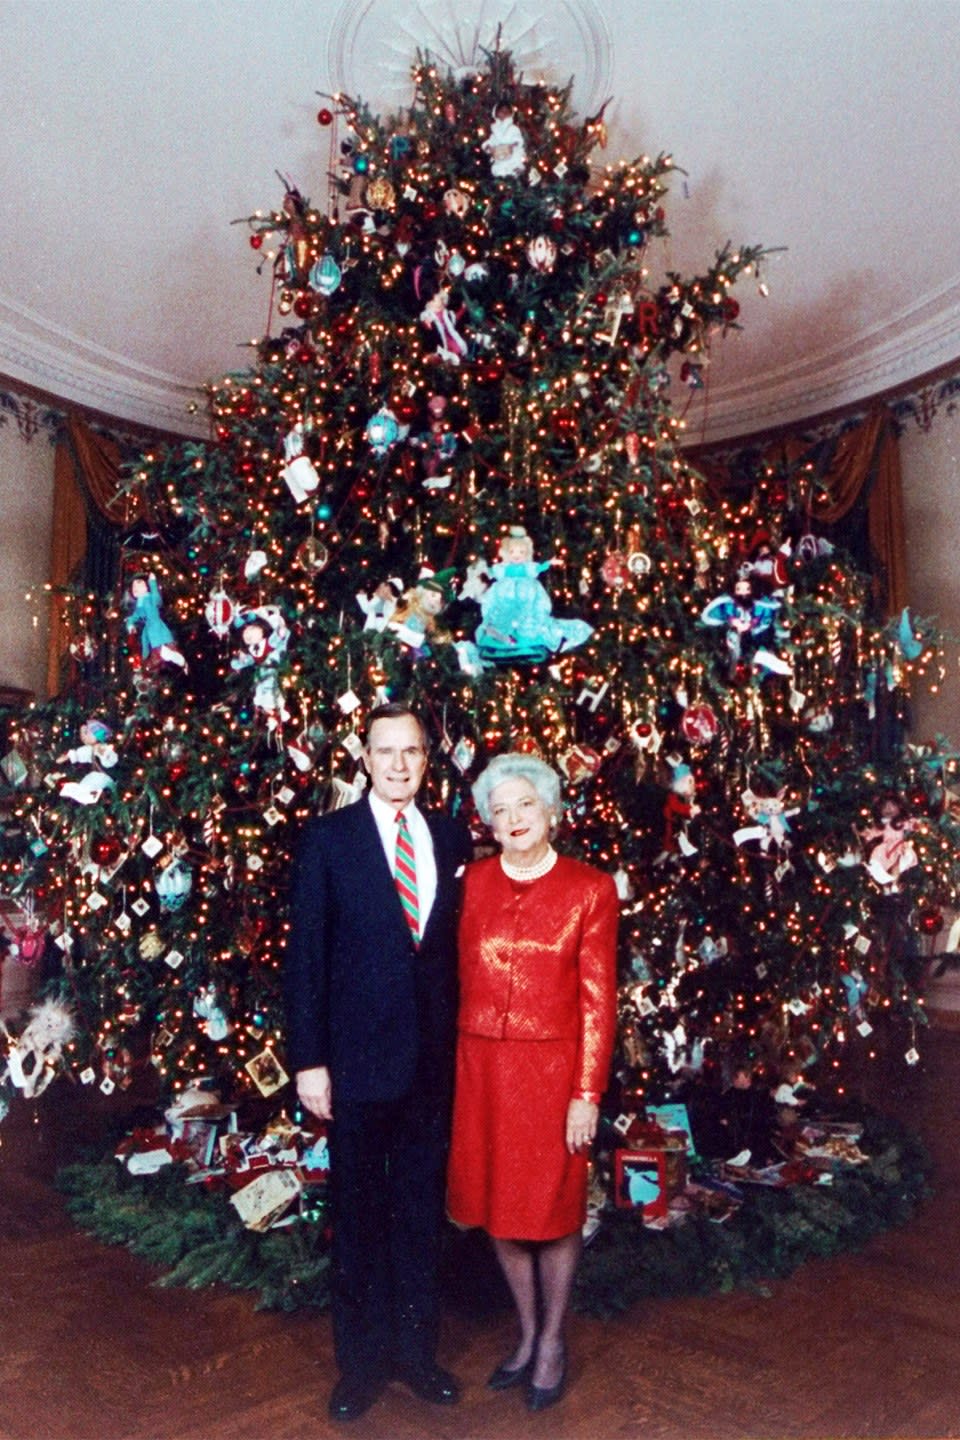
196, 1236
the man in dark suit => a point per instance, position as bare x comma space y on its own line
370, 981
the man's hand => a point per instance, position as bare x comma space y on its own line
315, 1092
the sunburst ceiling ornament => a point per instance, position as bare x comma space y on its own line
372, 46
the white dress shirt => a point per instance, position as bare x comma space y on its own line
386, 818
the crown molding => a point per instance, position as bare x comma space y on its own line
919, 339
54, 360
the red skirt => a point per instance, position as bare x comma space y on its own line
510, 1170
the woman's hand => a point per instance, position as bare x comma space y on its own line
582, 1116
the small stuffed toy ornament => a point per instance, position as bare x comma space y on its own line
769, 820
890, 851
94, 750
437, 316
380, 607
299, 472
34, 1058
679, 809
265, 635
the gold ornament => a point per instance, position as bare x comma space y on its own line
312, 555
380, 194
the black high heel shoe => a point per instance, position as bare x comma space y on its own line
541, 1397
503, 1378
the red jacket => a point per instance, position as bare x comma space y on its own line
538, 960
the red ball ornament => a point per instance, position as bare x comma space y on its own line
405, 410
699, 724
303, 306
490, 372
105, 849
731, 308
614, 571
306, 354
324, 116
256, 242
930, 921
564, 424
176, 771
431, 210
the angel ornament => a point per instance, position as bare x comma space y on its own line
505, 144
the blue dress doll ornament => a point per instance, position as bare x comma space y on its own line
518, 625
157, 644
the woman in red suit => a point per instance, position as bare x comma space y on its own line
536, 1028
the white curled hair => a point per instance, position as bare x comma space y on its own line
514, 766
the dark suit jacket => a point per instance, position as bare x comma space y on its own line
360, 997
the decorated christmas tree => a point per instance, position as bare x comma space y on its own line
454, 474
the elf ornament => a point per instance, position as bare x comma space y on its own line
415, 620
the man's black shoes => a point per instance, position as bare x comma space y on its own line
431, 1383
353, 1395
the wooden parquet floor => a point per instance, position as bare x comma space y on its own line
866, 1345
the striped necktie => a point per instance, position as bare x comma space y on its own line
405, 876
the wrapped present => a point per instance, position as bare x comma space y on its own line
267, 1198
641, 1181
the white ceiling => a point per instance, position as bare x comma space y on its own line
136, 130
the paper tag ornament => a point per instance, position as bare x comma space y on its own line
267, 1073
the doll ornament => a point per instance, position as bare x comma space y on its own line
746, 618
518, 626
157, 644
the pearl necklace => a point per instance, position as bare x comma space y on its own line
530, 872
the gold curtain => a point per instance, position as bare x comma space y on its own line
87, 470
865, 455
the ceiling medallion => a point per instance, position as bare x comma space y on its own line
371, 47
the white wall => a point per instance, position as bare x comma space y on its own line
930, 460
26, 495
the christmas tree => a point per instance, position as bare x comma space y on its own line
454, 474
